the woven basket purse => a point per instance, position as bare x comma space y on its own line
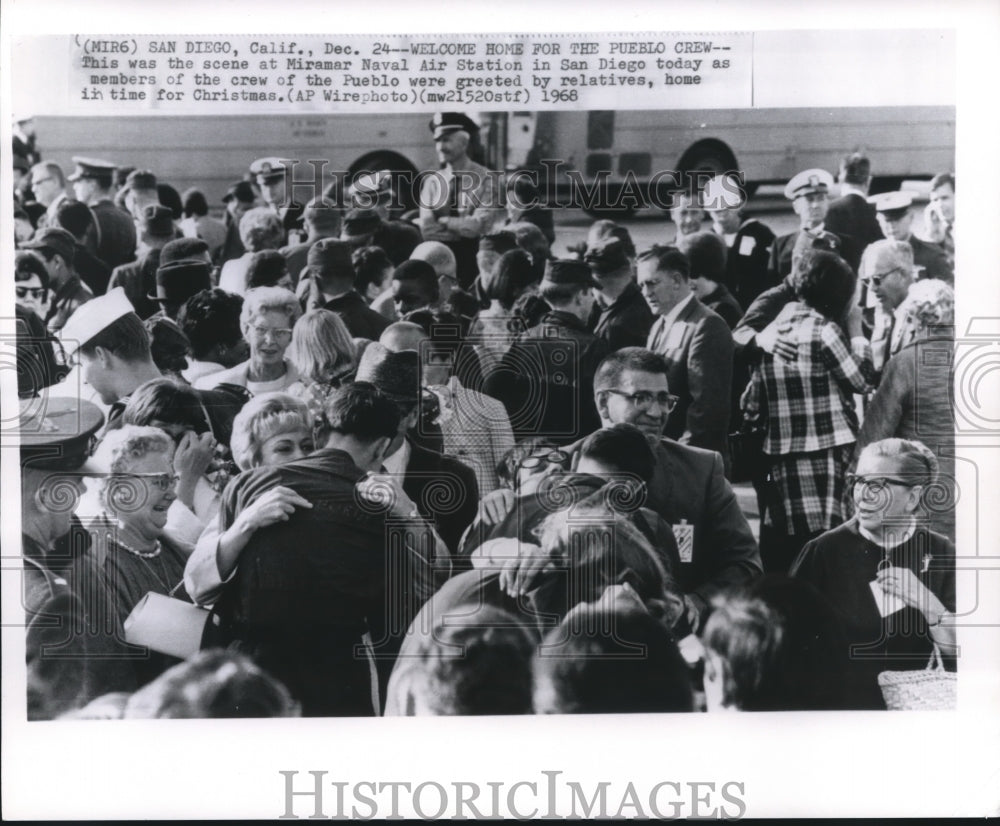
929, 689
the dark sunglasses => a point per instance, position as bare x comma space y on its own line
34, 292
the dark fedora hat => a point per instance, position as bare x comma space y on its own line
397, 374
359, 224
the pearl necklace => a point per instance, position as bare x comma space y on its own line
157, 549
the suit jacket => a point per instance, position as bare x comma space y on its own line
624, 323
444, 490
689, 485
698, 348
746, 262
780, 264
360, 319
852, 215
116, 234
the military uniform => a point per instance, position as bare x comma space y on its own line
112, 237
269, 170
70, 659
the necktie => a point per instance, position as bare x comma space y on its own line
453, 196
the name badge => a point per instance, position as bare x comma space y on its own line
684, 535
747, 245
886, 603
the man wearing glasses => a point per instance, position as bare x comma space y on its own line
887, 270
48, 183
688, 487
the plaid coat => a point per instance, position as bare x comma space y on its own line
810, 400
811, 422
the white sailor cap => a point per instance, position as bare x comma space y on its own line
888, 202
93, 317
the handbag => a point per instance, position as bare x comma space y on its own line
928, 689
746, 451
167, 625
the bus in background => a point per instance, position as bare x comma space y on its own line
611, 156
592, 159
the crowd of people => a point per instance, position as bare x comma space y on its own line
327, 459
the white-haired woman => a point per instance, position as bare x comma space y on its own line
267, 319
131, 555
891, 579
260, 229
271, 429
914, 398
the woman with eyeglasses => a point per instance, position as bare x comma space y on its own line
31, 283
132, 555
808, 401
267, 319
891, 579
200, 460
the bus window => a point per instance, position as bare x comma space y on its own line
600, 130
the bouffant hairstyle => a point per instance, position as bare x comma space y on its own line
825, 282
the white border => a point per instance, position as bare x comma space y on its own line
830, 765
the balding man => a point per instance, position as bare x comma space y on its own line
887, 269
460, 202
